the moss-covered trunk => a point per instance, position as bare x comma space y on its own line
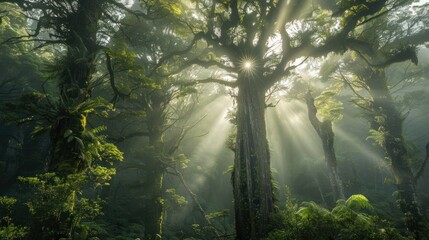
153, 209
326, 134
153, 218
67, 153
67, 156
389, 121
253, 193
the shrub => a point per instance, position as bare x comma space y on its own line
349, 219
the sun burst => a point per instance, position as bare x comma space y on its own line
248, 65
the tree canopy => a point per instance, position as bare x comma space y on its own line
119, 117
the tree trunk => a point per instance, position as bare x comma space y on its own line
153, 218
326, 134
253, 193
153, 208
67, 154
389, 122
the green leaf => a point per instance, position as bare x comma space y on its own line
358, 202
70, 138
175, 198
218, 214
229, 169
67, 133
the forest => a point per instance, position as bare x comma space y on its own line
214, 119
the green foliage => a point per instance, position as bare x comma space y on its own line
128, 68
378, 136
102, 175
11, 231
175, 199
231, 140
173, 7
8, 230
12, 25
358, 202
53, 194
350, 219
6, 205
61, 199
108, 152
182, 161
28, 107
42, 109
197, 229
45, 112
91, 231
328, 108
353, 9
229, 169
219, 214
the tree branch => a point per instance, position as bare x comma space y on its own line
416, 39
312, 113
232, 84
196, 201
118, 94
201, 63
161, 61
130, 11
346, 81
182, 135
280, 72
128, 136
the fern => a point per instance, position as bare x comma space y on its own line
311, 209
348, 220
378, 136
358, 202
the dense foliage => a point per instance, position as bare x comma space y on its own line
185, 119
349, 219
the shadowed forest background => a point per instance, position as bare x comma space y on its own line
214, 119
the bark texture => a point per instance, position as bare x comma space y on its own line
326, 134
81, 39
253, 193
153, 208
155, 169
389, 121
67, 156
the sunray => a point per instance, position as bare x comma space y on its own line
291, 139
360, 147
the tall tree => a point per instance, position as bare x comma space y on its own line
387, 130
78, 28
20, 75
156, 102
256, 44
327, 136
378, 53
